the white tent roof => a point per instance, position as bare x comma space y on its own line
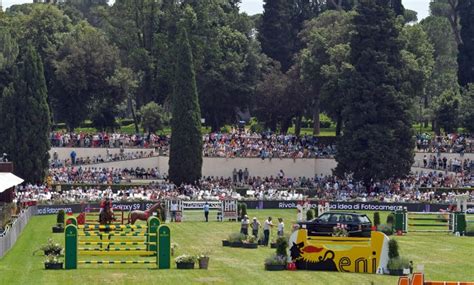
8, 180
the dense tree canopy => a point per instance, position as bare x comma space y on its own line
185, 162
377, 141
466, 47
25, 119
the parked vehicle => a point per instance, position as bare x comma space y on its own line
357, 225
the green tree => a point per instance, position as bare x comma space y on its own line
325, 63
25, 119
466, 47
418, 57
185, 162
449, 10
377, 140
82, 68
276, 31
444, 75
270, 97
467, 108
8, 49
447, 110
8, 55
154, 117
134, 27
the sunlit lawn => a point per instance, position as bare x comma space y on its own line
444, 257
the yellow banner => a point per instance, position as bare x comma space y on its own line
343, 254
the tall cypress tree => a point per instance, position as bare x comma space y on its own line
377, 140
25, 118
276, 32
185, 162
466, 47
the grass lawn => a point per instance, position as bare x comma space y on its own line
444, 257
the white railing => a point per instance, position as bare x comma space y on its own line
12, 232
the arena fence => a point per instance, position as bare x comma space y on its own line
13, 231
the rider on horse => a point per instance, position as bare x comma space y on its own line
106, 212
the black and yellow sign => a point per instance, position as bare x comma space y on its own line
343, 254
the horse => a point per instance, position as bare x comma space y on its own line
106, 217
135, 215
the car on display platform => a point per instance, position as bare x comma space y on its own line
357, 225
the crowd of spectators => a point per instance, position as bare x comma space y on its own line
235, 144
439, 162
452, 143
417, 187
73, 160
104, 139
100, 175
264, 146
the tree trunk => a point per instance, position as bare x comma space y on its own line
215, 126
316, 123
134, 116
436, 128
453, 20
285, 125
338, 124
298, 125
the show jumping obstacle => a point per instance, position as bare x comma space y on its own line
448, 222
117, 240
91, 216
226, 209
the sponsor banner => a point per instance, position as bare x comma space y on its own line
342, 206
351, 206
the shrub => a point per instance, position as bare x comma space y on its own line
236, 237
393, 249
225, 129
324, 125
255, 126
275, 260
386, 229
60, 217
398, 263
390, 219
470, 228
376, 218
310, 215
282, 245
251, 239
185, 259
243, 210
51, 246
52, 259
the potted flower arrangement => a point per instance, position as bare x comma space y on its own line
185, 261
203, 259
275, 263
396, 264
226, 242
53, 262
250, 242
340, 230
59, 227
51, 248
235, 239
